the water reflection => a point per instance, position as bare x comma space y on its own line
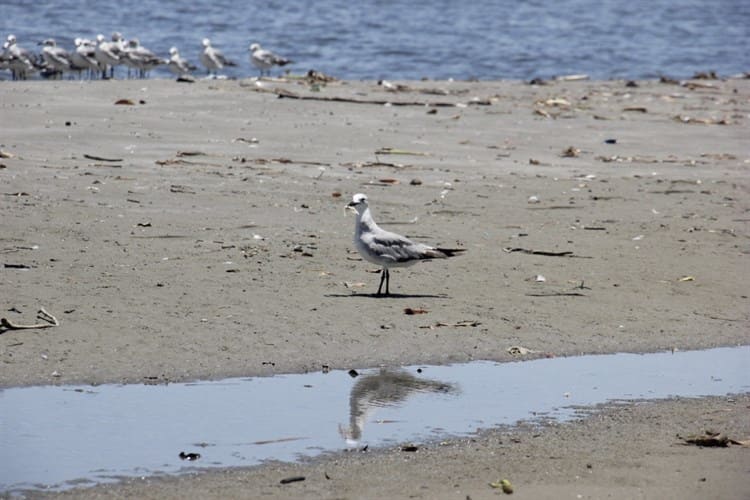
60, 437
388, 387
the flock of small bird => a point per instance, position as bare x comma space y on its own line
98, 59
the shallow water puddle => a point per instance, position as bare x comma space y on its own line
60, 437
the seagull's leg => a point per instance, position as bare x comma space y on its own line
382, 278
387, 281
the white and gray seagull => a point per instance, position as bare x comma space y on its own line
213, 59
388, 249
264, 60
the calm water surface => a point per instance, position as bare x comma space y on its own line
59, 437
402, 39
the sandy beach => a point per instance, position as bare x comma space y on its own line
198, 231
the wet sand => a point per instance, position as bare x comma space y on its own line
218, 245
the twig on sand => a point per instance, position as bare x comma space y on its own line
49, 321
100, 158
282, 93
540, 252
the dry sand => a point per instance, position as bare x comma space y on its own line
236, 259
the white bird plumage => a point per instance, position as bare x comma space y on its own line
264, 60
388, 249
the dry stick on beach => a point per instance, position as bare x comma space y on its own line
49, 321
438, 104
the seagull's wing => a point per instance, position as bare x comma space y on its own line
397, 248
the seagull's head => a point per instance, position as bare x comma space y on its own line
358, 203
254, 47
206, 42
173, 51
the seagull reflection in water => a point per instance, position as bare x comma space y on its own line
388, 387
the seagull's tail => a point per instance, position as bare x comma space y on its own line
450, 252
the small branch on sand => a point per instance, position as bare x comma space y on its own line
541, 252
100, 158
49, 321
381, 102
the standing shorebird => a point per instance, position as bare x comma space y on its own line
264, 60
178, 64
213, 59
388, 249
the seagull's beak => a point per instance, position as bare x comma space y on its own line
350, 207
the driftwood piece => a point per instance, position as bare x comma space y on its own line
286, 94
42, 314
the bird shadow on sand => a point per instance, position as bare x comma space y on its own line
389, 296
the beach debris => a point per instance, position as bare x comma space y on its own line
389, 181
572, 78
709, 439
557, 102
517, 350
292, 479
48, 321
533, 161
411, 311
101, 158
178, 188
16, 266
251, 140
5, 154
668, 80
459, 324
189, 456
539, 278
415, 182
701, 121
705, 75
373, 164
349, 284
353, 373
632, 84
570, 152
556, 294
186, 79
687, 278
610, 141
538, 252
395, 151
286, 94
393, 87
313, 76
410, 448
504, 485
125, 102
635, 109
543, 113
190, 153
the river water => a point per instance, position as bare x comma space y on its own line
401, 39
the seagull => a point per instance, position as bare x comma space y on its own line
20, 61
84, 56
140, 58
264, 60
108, 55
57, 58
388, 249
212, 58
178, 64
